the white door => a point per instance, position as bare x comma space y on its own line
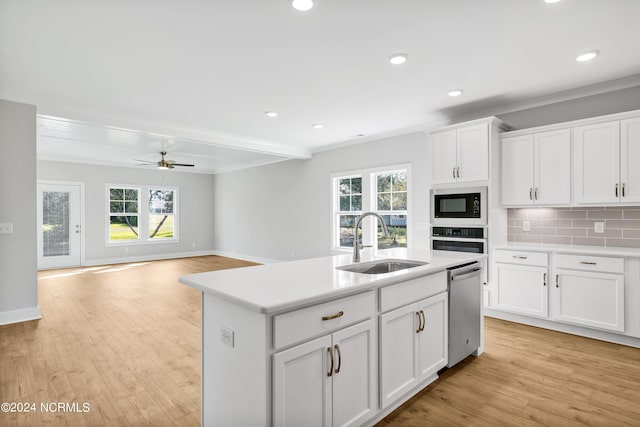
355, 379
629, 156
398, 353
59, 225
443, 156
590, 299
552, 176
597, 163
473, 153
517, 170
433, 337
302, 385
522, 289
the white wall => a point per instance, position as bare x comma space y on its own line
282, 211
194, 214
18, 265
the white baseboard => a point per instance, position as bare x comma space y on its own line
22, 315
243, 257
155, 257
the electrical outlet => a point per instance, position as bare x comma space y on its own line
598, 227
526, 226
226, 336
6, 228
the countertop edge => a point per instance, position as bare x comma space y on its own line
577, 249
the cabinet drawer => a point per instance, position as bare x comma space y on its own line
394, 296
296, 326
590, 263
521, 257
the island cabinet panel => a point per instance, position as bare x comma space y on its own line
413, 346
330, 381
300, 325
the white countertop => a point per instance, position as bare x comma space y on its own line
574, 249
288, 285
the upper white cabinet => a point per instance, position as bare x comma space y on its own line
536, 168
604, 156
460, 154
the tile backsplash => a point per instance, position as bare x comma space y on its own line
576, 226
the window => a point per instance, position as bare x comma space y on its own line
141, 214
124, 204
391, 203
382, 190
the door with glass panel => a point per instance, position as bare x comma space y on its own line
59, 225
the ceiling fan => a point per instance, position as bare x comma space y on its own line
164, 164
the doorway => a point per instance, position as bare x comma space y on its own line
60, 222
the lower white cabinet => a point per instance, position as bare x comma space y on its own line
590, 299
521, 289
330, 381
413, 346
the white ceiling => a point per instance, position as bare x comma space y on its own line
120, 80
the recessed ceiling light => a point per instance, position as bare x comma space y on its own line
551, 1
398, 58
587, 56
455, 92
302, 5
317, 126
271, 114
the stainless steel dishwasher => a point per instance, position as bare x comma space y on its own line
465, 299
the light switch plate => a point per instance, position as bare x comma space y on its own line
526, 226
226, 336
598, 227
6, 228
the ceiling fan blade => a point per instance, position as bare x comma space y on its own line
182, 164
145, 162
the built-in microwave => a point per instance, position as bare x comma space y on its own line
459, 206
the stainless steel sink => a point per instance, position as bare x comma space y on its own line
382, 266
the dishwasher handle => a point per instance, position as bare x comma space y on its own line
467, 274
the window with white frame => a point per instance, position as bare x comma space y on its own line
381, 190
141, 214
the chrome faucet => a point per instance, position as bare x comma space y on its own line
356, 244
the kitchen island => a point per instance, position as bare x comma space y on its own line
309, 342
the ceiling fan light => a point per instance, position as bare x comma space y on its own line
302, 5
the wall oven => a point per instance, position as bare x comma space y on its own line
461, 239
459, 206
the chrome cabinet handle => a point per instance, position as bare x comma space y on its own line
623, 195
419, 322
557, 278
333, 316
458, 171
588, 262
331, 356
337, 347
530, 193
544, 279
424, 321
616, 190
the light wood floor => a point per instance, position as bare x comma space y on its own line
126, 339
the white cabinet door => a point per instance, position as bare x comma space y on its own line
443, 156
597, 163
473, 153
552, 173
522, 289
590, 299
433, 339
517, 170
355, 374
629, 157
398, 353
302, 385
